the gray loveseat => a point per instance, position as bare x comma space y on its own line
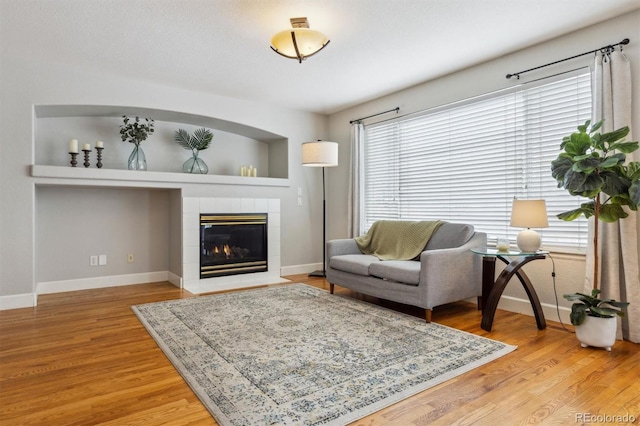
447, 270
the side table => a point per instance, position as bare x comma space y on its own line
492, 290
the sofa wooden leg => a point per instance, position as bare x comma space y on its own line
427, 315
330, 288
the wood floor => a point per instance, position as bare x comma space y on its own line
83, 358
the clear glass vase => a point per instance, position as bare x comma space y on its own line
196, 165
137, 159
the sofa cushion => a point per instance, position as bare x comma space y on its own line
402, 271
450, 235
354, 263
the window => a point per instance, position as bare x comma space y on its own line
466, 162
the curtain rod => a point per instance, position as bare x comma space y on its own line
396, 109
611, 46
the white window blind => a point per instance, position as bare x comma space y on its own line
466, 162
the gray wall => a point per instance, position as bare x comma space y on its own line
72, 223
485, 78
27, 81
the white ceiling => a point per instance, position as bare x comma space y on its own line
222, 46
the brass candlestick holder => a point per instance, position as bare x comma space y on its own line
74, 161
86, 157
99, 163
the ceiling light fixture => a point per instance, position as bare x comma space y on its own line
300, 42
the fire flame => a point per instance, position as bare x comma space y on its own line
223, 249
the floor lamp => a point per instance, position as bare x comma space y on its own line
321, 154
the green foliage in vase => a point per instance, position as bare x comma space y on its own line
592, 306
136, 131
200, 139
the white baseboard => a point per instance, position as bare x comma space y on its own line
300, 269
174, 279
16, 301
49, 287
508, 303
523, 306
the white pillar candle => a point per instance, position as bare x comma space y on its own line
254, 172
73, 145
86, 147
243, 171
99, 144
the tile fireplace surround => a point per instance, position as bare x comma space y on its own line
192, 207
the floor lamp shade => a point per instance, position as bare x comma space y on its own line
321, 154
529, 214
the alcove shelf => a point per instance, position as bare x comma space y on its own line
80, 176
234, 145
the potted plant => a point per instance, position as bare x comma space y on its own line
136, 131
592, 165
197, 142
595, 319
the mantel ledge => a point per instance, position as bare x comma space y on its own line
78, 176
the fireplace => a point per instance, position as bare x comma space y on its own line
233, 244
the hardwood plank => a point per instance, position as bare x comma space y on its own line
84, 358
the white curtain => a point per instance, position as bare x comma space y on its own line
355, 177
618, 242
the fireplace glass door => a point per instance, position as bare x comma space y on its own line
232, 244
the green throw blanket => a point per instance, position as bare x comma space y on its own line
397, 239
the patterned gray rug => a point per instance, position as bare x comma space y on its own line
297, 355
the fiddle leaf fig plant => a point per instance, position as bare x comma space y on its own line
592, 306
593, 165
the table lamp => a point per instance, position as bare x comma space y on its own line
529, 214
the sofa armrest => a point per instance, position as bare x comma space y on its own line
445, 272
342, 246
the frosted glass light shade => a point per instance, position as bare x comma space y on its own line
320, 154
300, 42
529, 214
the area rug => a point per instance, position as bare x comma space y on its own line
297, 355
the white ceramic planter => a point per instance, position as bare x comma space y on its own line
597, 332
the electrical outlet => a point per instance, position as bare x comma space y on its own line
102, 259
130, 258
93, 260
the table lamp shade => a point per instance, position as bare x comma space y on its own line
529, 214
320, 154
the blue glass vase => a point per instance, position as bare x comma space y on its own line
137, 159
195, 165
